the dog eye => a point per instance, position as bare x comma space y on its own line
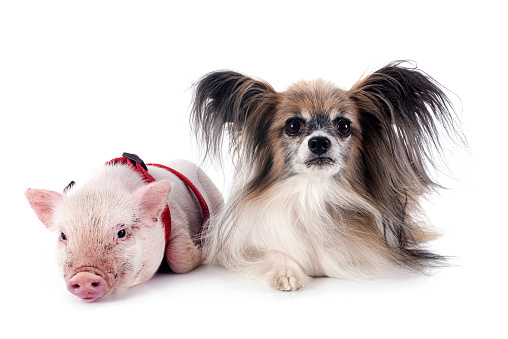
344, 127
293, 127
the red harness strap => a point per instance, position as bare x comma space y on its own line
139, 166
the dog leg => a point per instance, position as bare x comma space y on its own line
284, 273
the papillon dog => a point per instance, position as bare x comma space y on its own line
328, 182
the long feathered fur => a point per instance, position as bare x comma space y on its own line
365, 219
403, 113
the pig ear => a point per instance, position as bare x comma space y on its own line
152, 200
43, 203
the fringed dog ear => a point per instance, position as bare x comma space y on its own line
232, 102
402, 113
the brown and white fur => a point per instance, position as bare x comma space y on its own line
329, 181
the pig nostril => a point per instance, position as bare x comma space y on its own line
95, 284
75, 285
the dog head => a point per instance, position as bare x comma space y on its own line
380, 136
317, 126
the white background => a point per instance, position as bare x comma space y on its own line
82, 82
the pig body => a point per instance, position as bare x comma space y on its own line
111, 236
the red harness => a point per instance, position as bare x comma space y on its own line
139, 166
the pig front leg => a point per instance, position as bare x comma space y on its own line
182, 254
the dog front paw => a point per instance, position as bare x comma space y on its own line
287, 280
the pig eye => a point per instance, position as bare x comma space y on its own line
62, 236
121, 233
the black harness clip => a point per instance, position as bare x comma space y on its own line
134, 158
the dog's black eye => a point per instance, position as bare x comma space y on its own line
293, 127
344, 127
121, 233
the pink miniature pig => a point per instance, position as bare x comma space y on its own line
114, 229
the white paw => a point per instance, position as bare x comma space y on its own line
287, 280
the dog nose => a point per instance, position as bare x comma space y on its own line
319, 145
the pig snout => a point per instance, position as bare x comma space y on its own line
87, 286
